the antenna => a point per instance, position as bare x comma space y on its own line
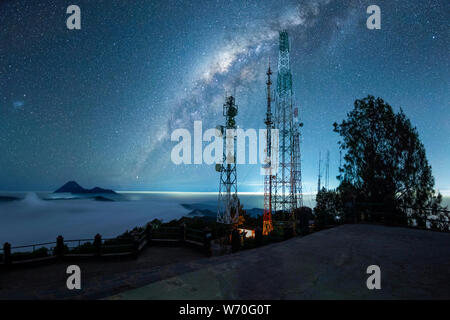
319, 175
287, 186
267, 216
327, 171
227, 208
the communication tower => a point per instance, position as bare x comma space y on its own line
227, 209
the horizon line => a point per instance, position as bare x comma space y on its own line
153, 191
445, 192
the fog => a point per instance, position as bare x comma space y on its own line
33, 220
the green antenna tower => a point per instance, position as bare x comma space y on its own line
287, 187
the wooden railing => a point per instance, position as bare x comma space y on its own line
420, 218
99, 247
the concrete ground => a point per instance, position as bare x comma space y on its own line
331, 264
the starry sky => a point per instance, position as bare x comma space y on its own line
98, 105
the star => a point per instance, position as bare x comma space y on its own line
101, 104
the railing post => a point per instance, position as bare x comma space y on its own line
59, 252
149, 233
183, 233
136, 245
235, 240
98, 244
7, 260
258, 236
207, 240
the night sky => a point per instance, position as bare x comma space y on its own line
98, 105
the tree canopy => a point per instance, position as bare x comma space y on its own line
328, 204
385, 162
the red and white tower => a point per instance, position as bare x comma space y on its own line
268, 176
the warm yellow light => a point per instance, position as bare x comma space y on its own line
248, 233
267, 227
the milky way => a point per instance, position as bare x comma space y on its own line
98, 105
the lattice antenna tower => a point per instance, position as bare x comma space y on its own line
268, 174
287, 185
296, 175
227, 208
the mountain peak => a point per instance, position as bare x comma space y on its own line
74, 187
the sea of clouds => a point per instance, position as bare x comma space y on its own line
33, 220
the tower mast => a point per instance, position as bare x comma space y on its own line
227, 209
297, 165
319, 174
287, 185
267, 217
327, 171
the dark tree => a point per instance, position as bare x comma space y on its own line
303, 216
328, 204
385, 162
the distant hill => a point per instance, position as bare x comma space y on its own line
73, 187
100, 198
209, 210
6, 198
254, 212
